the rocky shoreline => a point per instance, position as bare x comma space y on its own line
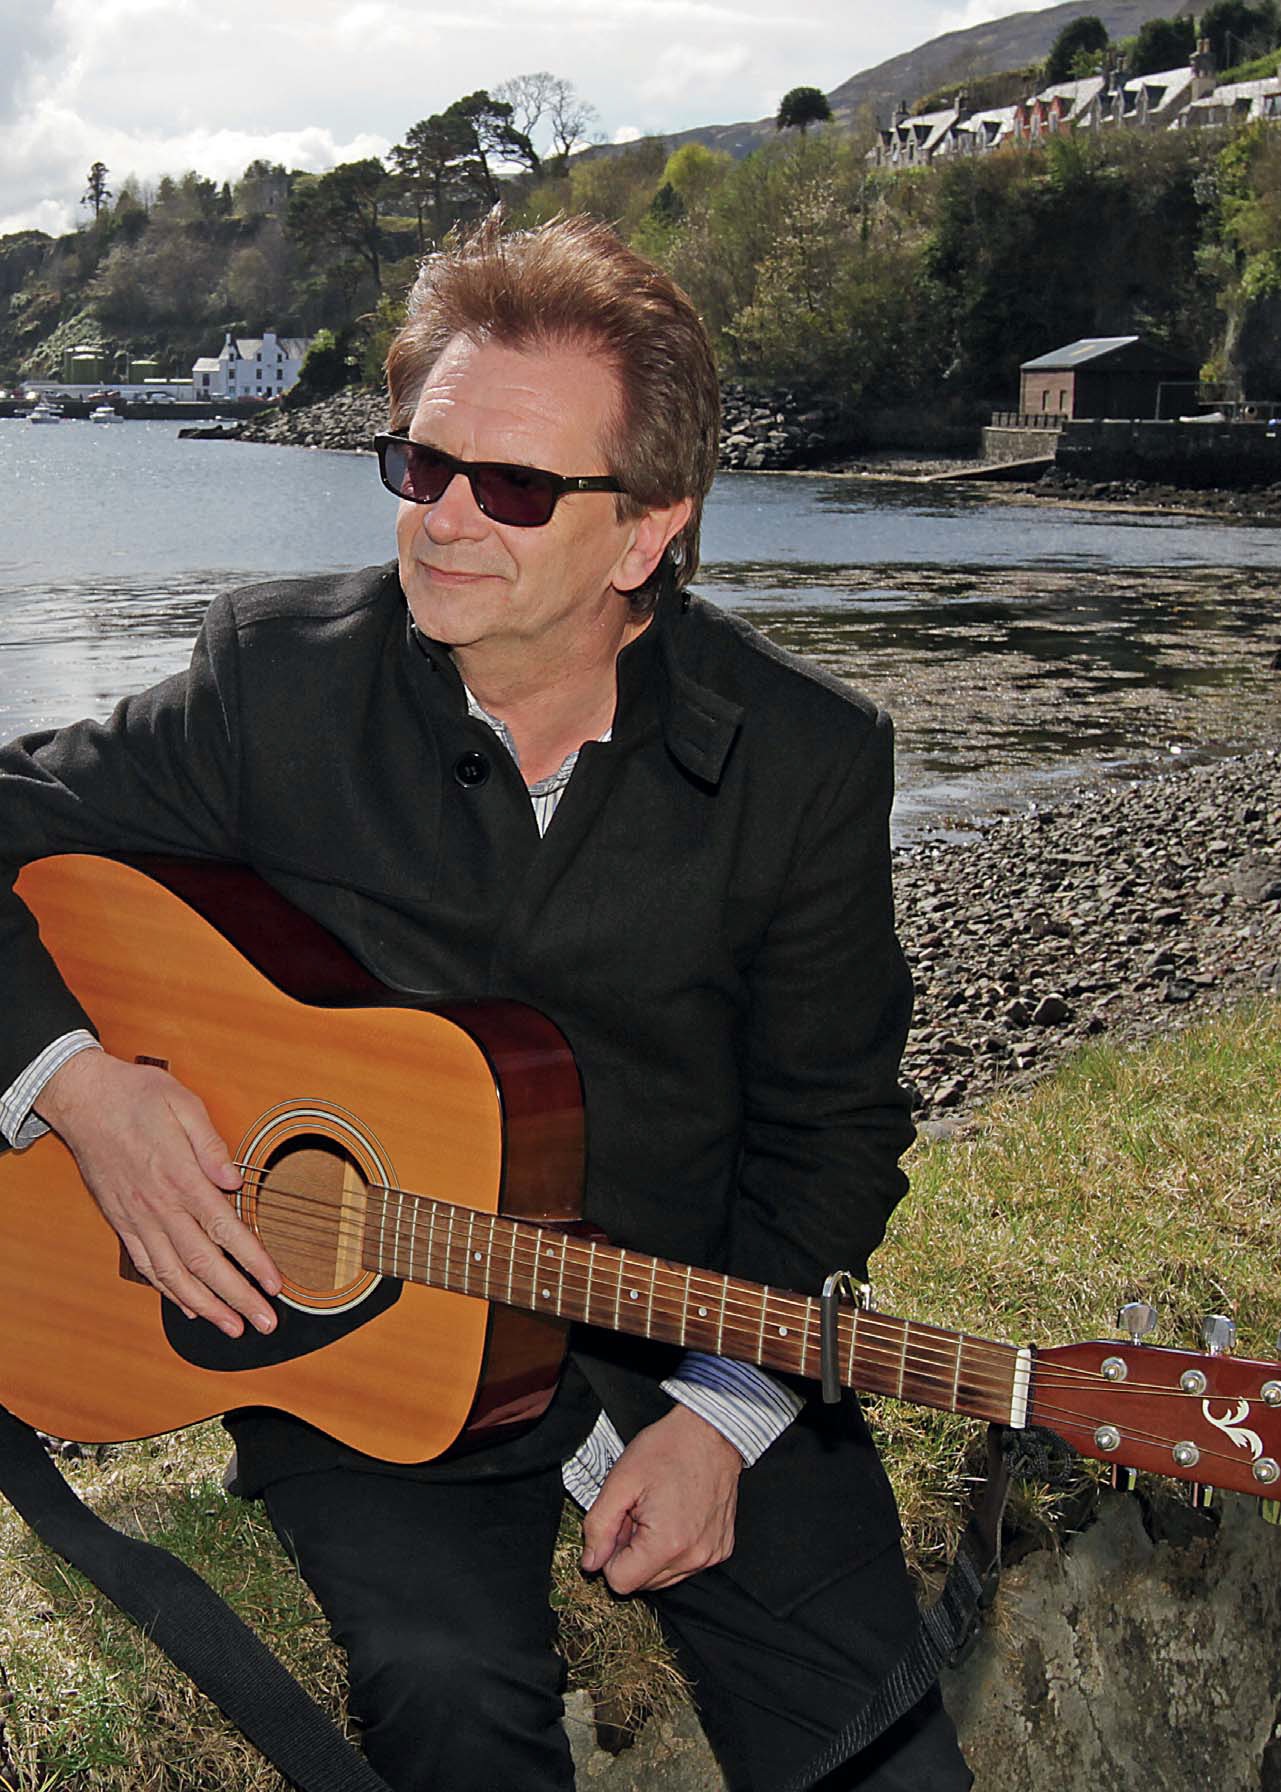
1125, 911
761, 432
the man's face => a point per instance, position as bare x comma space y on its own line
472, 582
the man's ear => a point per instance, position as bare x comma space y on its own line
650, 535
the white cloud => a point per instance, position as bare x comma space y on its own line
681, 70
626, 133
982, 12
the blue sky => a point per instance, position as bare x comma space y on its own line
159, 86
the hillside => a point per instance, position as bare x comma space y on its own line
1014, 42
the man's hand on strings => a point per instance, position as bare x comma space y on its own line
151, 1159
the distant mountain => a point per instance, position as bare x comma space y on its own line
1015, 42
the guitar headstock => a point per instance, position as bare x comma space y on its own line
1211, 1419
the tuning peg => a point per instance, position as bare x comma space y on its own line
1123, 1479
1200, 1496
1218, 1334
1271, 1511
1137, 1318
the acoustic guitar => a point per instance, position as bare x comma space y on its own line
416, 1174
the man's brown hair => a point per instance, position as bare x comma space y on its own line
573, 282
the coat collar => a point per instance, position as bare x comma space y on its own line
698, 723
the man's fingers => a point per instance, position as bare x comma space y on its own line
185, 1262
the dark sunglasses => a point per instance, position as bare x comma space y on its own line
521, 497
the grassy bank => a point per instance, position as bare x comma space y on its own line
1153, 1173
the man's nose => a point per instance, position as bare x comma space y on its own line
455, 513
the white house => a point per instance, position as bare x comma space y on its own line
1236, 103
1154, 102
250, 366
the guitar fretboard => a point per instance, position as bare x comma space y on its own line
541, 1269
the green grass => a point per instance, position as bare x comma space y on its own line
1153, 1173
1260, 69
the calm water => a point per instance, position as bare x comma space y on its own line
1017, 645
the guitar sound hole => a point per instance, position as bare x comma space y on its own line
309, 1211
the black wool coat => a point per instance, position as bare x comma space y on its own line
708, 920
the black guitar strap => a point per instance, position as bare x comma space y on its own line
183, 1615
945, 1632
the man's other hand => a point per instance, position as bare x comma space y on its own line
667, 1507
153, 1162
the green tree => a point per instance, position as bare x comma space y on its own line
1161, 44
1238, 30
97, 192
433, 165
1085, 35
800, 107
842, 301
341, 213
619, 188
492, 135
694, 172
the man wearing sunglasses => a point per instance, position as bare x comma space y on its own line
523, 761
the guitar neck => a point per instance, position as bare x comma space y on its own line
543, 1270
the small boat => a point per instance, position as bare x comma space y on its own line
102, 413
44, 413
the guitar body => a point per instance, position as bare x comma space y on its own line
332, 1097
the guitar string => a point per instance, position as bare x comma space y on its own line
748, 1311
1049, 1377
745, 1311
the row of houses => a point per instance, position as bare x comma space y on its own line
1178, 98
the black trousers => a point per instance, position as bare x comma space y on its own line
438, 1593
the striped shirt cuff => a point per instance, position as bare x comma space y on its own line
583, 1475
748, 1407
17, 1122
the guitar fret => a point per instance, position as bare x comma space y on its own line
760, 1340
511, 1262
849, 1367
689, 1273
902, 1355
618, 1296
805, 1337
449, 1246
591, 1271
400, 1218
382, 1233
431, 1240
649, 1308
720, 1324
413, 1235
488, 1258
560, 1280
956, 1373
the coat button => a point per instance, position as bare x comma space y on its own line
471, 770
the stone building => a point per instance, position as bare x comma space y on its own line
1107, 376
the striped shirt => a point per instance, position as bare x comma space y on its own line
742, 1402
